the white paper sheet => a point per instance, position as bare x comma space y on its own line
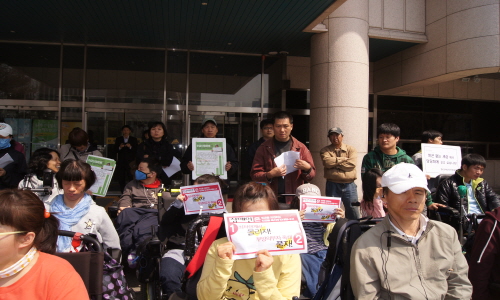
174, 167
5, 160
288, 159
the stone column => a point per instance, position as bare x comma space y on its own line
339, 83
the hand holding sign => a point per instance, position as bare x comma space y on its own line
208, 196
278, 232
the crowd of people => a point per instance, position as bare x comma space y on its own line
406, 255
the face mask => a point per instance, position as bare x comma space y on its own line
4, 143
140, 175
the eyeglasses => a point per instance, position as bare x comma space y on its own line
11, 232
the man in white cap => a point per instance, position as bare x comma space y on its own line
12, 162
407, 256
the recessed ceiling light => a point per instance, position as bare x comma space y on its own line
204, 3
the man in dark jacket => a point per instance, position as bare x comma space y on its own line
267, 131
209, 130
484, 261
138, 206
12, 162
480, 197
126, 148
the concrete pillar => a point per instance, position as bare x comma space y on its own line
339, 83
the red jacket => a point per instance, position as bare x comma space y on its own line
264, 162
484, 262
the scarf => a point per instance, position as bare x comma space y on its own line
19, 265
153, 185
68, 217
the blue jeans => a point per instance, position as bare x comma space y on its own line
311, 264
348, 192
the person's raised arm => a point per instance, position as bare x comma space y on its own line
286, 285
307, 175
186, 161
216, 272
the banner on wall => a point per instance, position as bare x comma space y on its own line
44, 134
66, 128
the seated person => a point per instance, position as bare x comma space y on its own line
316, 248
371, 204
42, 159
263, 277
79, 146
484, 261
76, 210
174, 224
386, 262
139, 205
480, 196
28, 236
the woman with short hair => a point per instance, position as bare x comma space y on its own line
76, 210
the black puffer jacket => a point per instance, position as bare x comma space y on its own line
447, 193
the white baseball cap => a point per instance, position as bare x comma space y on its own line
5, 129
403, 177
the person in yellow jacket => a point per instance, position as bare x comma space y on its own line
265, 277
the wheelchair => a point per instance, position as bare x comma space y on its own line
89, 265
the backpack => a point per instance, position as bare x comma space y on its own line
334, 276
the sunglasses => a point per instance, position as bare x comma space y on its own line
11, 232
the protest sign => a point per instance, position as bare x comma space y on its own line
207, 196
278, 231
319, 209
440, 159
209, 157
103, 169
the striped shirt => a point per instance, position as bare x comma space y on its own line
314, 233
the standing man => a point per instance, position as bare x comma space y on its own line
267, 132
340, 161
264, 168
406, 255
386, 154
126, 146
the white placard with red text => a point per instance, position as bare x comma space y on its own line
319, 209
208, 195
279, 231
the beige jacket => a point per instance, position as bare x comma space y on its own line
434, 268
339, 168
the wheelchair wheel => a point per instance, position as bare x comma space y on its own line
151, 291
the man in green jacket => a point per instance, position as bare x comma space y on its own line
386, 154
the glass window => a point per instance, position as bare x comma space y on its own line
29, 72
125, 75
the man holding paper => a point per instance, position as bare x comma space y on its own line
12, 162
283, 179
